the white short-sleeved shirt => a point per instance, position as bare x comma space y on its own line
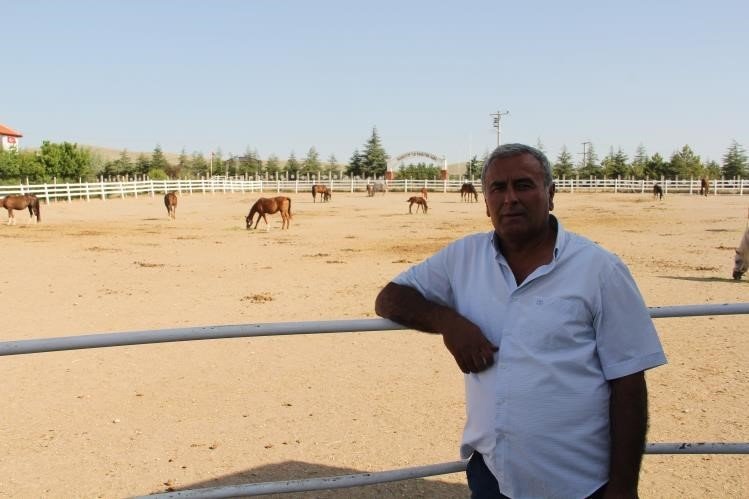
540, 414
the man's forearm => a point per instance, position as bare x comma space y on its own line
408, 307
629, 421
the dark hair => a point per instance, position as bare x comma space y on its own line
510, 150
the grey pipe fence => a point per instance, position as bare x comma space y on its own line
19, 347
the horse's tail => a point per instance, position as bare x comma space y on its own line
289, 207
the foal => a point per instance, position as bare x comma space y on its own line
170, 201
418, 201
657, 191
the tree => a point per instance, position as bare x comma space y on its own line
420, 171
142, 164
183, 164
311, 164
540, 145
656, 166
354, 168
615, 164
735, 161
65, 161
685, 163
158, 160
374, 159
639, 162
292, 165
590, 167
273, 165
712, 169
473, 167
332, 164
198, 165
563, 167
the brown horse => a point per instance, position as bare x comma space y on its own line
20, 202
170, 201
418, 201
657, 191
323, 190
466, 190
270, 206
704, 187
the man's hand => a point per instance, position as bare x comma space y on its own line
468, 345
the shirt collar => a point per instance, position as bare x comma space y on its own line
559, 244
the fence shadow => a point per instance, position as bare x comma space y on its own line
279, 472
699, 279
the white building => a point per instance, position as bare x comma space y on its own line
9, 138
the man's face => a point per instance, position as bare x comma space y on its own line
516, 199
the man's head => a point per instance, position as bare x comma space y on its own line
518, 192
509, 150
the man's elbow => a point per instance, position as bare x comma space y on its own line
384, 301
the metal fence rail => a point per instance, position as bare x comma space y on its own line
19, 347
101, 340
362, 479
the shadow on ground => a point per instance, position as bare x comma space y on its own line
699, 279
296, 470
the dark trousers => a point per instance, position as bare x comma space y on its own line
483, 485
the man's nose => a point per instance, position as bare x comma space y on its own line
510, 196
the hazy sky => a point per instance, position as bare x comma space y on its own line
282, 76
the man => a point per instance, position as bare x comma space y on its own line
553, 336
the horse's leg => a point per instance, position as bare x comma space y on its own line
10, 216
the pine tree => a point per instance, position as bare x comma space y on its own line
311, 164
374, 159
639, 162
292, 165
685, 163
273, 165
354, 168
564, 168
473, 167
735, 161
158, 161
332, 164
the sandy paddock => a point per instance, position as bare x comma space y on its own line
125, 421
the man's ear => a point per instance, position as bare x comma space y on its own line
552, 190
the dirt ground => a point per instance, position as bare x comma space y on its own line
125, 421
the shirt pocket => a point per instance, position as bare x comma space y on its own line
550, 323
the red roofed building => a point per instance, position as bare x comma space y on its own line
8, 138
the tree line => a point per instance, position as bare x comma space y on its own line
69, 162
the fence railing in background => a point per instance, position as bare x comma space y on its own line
120, 189
358, 325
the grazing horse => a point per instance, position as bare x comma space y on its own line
170, 201
704, 187
741, 261
270, 206
20, 202
323, 190
465, 193
376, 187
657, 191
418, 201
424, 192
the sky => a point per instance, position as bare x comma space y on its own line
283, 76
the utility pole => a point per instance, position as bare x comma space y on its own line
210, 167
585, 145
496, 123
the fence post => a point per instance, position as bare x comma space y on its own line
88, 197
101, 183
46, 194
67, 187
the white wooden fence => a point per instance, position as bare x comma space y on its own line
19, 347
120, 189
